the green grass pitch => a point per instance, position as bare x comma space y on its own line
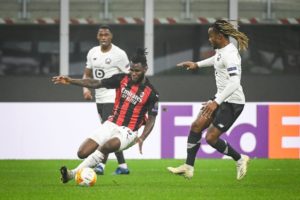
214, 179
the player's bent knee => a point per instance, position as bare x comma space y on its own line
82, 154
110, 146
211, 139
106, 149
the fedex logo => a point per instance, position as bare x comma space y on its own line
284, 131
262, 130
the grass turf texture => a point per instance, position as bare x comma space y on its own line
149, 179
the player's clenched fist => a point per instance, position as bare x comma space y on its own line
61, 80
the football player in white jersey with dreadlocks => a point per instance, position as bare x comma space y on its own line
218, 114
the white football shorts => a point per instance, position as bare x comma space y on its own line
109, 130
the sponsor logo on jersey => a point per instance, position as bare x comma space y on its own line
131, 97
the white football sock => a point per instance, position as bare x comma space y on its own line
123, 165
91, 161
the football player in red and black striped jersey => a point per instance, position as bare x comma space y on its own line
136, 100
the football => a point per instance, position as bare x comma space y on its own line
86, 177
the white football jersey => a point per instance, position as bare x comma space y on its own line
227, 64
104, 65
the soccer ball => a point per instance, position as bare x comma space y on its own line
86, 177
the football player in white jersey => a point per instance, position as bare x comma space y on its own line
217, 115
103, 61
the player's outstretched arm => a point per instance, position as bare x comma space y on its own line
147, 130
65, 80
188, 65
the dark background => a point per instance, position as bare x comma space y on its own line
171, 88
29, 58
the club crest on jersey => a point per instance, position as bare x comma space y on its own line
131, 97
218, 57
107, 61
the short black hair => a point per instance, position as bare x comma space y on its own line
140, 57
105, 26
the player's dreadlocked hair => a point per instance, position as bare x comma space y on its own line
227, 29
140, 57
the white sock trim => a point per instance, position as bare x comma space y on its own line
123, 165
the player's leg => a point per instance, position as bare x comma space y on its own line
91, 161
213, 139
99, 136
117, 141
193, 145
122, 168
112, 145
225, 116
86, 148
120, 139
103, 115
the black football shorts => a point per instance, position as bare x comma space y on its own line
226, 114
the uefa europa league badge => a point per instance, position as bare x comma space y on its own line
107, 61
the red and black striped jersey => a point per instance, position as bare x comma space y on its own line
133, 102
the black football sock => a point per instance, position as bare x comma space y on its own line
120, 157
193, 145
225, 148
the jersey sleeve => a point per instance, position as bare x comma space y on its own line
231, 87
153, 104
123, 63
209, 62
112, 82
232, 62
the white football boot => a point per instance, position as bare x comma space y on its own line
241, 166
186, 170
